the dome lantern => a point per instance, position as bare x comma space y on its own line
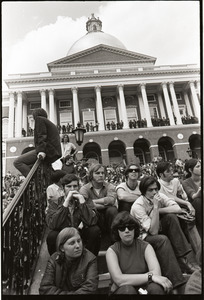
93, 24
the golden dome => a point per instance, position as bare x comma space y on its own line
94, 37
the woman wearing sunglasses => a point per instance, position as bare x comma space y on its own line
132, 262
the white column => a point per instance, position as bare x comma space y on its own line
198, 87
43, 99
141, 106
187, 102
25, 122
19, 114
99, 108
168, 104
75, 106
195, 102
175, 104
123, 106
146, 105
119, 108
51, 106
161, 106
11, 115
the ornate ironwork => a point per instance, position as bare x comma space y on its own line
23, 229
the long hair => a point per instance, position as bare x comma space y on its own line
190, 164
130, 165
65, 135
146, 182
69, 178
95, 168
124, 218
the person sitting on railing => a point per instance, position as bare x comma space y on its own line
46, 141
72, 210
72, 270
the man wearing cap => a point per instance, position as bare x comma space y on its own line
128, 191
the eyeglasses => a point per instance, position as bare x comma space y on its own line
128, 226
133, 170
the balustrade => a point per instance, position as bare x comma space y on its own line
22, 231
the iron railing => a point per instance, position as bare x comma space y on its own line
22, 231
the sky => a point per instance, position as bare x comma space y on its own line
35, 33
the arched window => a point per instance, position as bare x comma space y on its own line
140, 154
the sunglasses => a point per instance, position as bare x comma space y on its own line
133, 170
128, 226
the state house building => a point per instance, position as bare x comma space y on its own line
99, 82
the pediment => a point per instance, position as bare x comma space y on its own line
102, 54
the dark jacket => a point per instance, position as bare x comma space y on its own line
47, 139
58, 217
77, 277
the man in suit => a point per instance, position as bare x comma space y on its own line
46, 141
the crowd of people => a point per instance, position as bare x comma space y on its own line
150, 214
139, 123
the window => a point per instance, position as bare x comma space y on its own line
64, 103
34, 105
178, 97
66, 117
151, 98
88, 116
131, 113
110, 115
153, 111
182, 110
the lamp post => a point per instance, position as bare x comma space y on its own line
79, 133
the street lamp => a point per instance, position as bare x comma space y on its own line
79, 133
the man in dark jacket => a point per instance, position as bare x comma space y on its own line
72, 210
46, 141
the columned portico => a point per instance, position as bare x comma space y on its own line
19, 114
51, 106
99, 108
43, 99
75, 106
123, 106
187, 102
11, 115
161, 105
168, 104
146, 106
25, 121
141, 106
175, 104
195, 102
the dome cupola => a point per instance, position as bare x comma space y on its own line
94, 36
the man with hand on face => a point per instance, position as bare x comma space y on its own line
128, 191
71, 210
171, 186
102, 194
157, 214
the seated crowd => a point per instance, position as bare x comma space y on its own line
152, 220
151, 247
151, 216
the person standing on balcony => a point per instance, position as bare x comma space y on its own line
128, 191
46, 141
72, 270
